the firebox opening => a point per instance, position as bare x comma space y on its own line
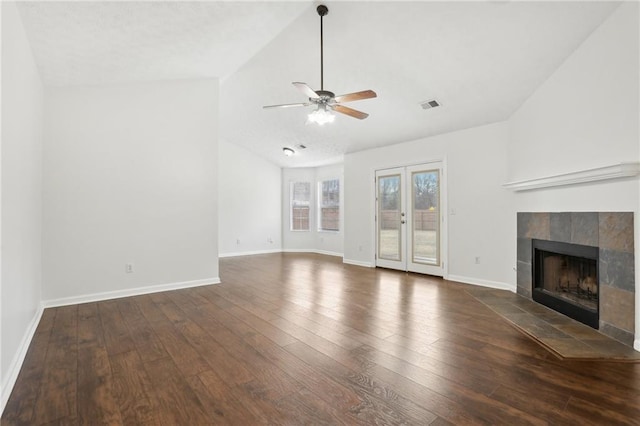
565, 278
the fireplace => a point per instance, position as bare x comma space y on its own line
612, 235
565, 278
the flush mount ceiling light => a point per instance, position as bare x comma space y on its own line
326, 102
288, 151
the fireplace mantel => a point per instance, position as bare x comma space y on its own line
615, 171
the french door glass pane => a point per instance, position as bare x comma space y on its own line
426, 213
389, 227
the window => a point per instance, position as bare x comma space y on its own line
300, 197
329, 205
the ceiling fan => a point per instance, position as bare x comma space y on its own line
325, 100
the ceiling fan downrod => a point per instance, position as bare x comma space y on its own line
324, 100
322, 11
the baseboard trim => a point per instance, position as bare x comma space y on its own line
18, 359
328, 253
248, 253
96, 297
358, 263
482, 283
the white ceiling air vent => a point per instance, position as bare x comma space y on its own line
430, 104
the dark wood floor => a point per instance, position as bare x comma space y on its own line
304, 339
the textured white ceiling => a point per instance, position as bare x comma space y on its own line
481, 60
89, 43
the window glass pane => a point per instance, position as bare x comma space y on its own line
426, 214
300, 197
389, 216
329, 205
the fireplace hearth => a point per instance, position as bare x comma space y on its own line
565, 278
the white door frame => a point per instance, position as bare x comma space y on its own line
444, 209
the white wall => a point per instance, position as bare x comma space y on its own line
585, 115
475, 168
250, 202
130, 177
21, 195
313, 240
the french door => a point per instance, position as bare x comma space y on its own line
410, 219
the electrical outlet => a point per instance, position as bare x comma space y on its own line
477, 260
128, 268
238, 241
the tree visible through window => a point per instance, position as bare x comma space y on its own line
329, 205
300, 197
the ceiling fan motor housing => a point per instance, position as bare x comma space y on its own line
325, 96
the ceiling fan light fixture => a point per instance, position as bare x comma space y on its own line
327, 102
321, 116
288, 151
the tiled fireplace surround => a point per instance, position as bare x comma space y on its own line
612, 232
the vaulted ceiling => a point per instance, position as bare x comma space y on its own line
480, 60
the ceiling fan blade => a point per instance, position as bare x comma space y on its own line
350, 112
288, 105
308, 91
356, 96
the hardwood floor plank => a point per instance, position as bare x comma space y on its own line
380, 403
173, 400
444, 407
95, 386
149, 309
57, 397
133, 390
289, 339
214, 298
458, 388
262, 327
598, 414
324, 387
186, 358
199, 333
554, 376
216, 397
116, 334
549, 406
309, 409
147, 343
